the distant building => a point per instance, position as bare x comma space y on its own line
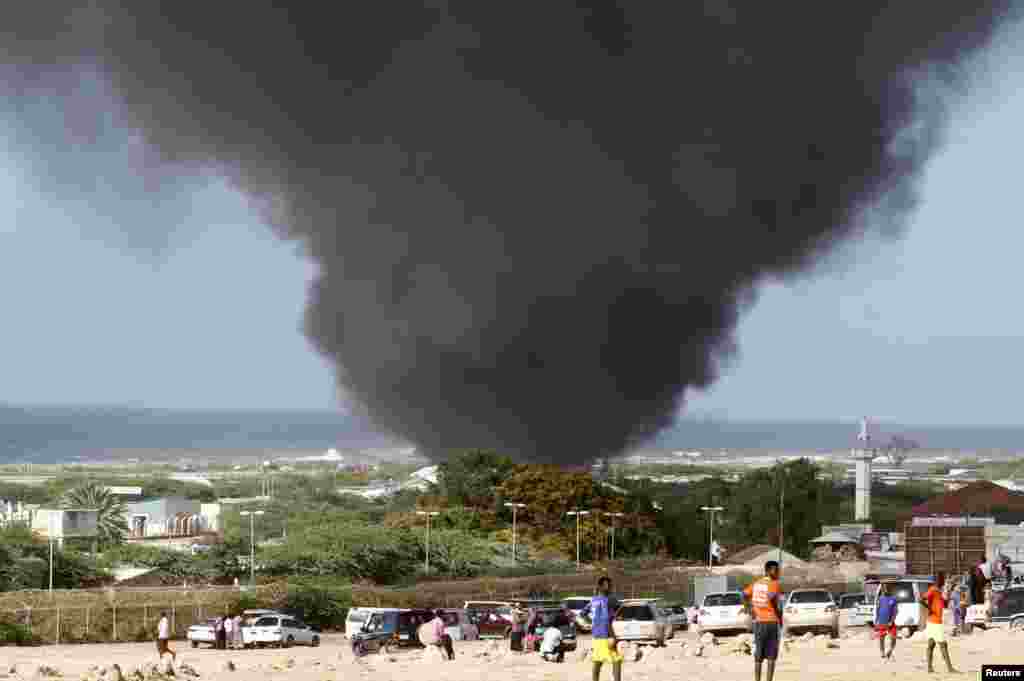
171, 517
601, 469
59, 524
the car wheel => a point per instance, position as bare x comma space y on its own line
315, 642
289, 642
195, 644
835, 632
1017, 624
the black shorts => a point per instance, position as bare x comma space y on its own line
516, 639
766, 640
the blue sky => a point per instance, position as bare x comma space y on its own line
922, 330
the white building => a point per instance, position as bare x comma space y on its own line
171, 517
58, 524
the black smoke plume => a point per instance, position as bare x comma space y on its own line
536, 224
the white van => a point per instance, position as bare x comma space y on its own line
357, 617
911, 614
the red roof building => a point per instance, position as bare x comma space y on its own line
981, 498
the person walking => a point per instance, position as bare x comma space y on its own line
163, 638
229, 631
219, 633
601, 612
954, 608
763, 596
518, 623
935, 600
885, 621
441, 635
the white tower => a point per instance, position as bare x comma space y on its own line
863, 456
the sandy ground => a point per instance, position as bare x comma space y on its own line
855, 659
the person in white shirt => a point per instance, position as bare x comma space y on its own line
551, 645
238, 632
229, 632
163, 638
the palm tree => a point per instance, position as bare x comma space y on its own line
111, 521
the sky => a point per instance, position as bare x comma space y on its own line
922, 329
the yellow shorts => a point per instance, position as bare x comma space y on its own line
934, 631
604, 651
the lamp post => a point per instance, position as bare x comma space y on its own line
429, 514
613, 516
711, 528
252, 543
515, 544
49, 536
578, 513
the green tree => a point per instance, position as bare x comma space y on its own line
808, 504
111, 523
469, 478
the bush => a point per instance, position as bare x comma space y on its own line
12, 634
320, 606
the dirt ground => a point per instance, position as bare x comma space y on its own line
855, 658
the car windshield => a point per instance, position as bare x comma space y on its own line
357, 616
577, 603
266, 622
851, 601
637, 613
810, 597
903, 592
722, 600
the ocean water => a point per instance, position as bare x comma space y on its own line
62, 434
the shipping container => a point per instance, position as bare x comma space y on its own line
932, 549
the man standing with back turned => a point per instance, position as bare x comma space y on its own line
601, 611
764, 597
935, 600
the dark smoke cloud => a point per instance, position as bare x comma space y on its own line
537, 225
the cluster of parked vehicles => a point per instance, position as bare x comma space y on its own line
260, 629
815, 610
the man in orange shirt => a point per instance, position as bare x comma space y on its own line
763, 596
935, 600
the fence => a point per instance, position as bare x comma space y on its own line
93, 616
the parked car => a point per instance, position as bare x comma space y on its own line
1008, 606
555, 617
392, 628
490, 623
849, 609
459, 626
249, 617
723, 612
358, 616
639, 620
811, 609
575, 605
280, 631
205, 632
677, 617
911, 615
502, 609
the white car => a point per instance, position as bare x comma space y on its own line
723, 612
808, 609
204, 632
575, 605
280, 631
640, 620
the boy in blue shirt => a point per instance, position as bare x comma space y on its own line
601, 611
885, 620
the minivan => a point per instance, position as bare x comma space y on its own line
911, 614
357, 617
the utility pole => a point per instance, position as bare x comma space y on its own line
782, 501
429, 514
711, 529
252, 544
515, 544
577, 512
613, 516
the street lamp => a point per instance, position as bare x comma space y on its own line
515, 545
613, 516
577, 512
252, 543
49, 536
429, 515
711, 528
